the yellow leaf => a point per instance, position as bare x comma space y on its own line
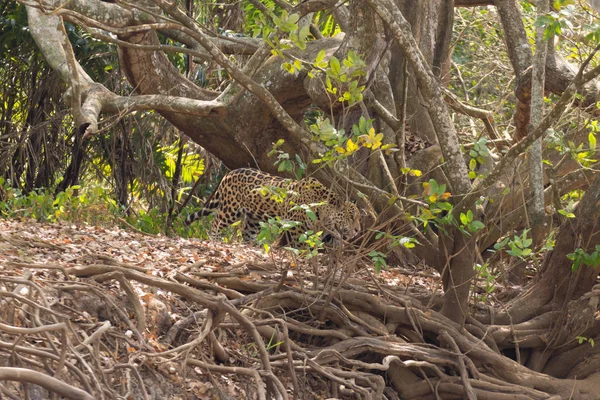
351, 147
372, 140
377, 142
340, 149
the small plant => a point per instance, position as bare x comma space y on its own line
308, 209
272, 230
568, 211
439, 212
233, 232
478, 154
76, 204
379, 260
582, 153
284, 161
583, 339
398, 240
313, 243
556, 21
520, 245
342, 78
550, 242
275, 193
275, 228
411, 172
87, 204
468, 224
151, 221
484, 273
192, 164
580, 257
273, 345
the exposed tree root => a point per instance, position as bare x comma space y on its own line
310, 338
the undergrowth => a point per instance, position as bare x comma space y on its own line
94, 205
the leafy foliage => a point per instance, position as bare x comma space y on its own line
478, 156
484, 272
519, 245
85, 204
580, 257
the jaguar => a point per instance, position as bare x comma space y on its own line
252, 196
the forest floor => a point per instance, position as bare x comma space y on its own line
69, 288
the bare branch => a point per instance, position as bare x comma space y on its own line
486, 117
45, 381
550, 119
276, 109
431, 91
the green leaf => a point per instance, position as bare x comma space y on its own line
320, 56
303, 34
501, 244
566, 213
286, 165
464, 219
478, 225
444, 205
472, 164
334, 64
515, 252
292, 19
543, 21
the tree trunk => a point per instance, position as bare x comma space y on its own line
559, 283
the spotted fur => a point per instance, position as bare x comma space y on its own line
239, 197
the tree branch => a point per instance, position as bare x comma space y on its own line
262, 93
89, 98
485, 116
550, 119
432, 94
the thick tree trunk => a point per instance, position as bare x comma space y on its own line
246, 134
457, 256
559, 283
